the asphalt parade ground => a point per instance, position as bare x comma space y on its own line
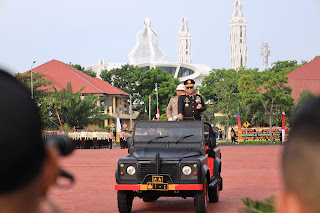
247, 171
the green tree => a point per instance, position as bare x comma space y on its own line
166, 89
126, 78
248, 85
304, 97
82, 69
41, 86
273, 96
42, 89
75, 110
221, 88
284, 66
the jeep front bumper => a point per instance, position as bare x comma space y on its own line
170, 187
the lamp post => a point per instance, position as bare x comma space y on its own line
130, 112
32, 79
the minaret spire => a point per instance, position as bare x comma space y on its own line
238, 41
184, 43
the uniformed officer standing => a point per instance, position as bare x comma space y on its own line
191, 104
172, 109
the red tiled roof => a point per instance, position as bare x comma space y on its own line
308, 71
61, 73
306, 77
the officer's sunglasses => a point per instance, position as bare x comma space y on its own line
189, 87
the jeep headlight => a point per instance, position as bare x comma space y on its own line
131, 170
186, 170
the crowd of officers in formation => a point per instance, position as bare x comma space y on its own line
91, 139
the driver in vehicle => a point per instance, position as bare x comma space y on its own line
191, 104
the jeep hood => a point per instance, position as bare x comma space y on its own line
165, 154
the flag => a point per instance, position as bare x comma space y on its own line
239, 128
283, 126
118, 127
158, 114
59, 119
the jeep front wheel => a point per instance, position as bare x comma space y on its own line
125, 199
201, 199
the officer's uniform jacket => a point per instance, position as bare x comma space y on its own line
172, 108
187, 106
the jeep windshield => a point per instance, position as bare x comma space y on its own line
168, 132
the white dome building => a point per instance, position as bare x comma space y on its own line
147, 54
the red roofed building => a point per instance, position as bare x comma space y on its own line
306, 77
113, 98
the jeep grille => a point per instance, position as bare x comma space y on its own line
151, 168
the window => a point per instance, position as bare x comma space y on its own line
185, 72
169, 70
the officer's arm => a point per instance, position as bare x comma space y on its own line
169, 109
180, 105
203, 108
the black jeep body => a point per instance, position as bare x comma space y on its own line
170, 159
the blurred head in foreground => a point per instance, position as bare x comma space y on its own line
301, 163
27, 167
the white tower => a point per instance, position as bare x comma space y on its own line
184, 43
147, 50
238, 43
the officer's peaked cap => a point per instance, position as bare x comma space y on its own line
189, 82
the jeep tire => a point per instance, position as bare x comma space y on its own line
201, 199
125, 199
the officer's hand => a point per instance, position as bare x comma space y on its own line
199, 106
180, 117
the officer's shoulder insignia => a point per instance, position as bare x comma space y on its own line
198, 94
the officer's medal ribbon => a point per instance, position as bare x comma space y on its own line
186, 102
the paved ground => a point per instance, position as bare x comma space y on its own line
247, 171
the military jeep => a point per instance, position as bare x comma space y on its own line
170, 159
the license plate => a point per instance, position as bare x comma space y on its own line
157, 179
157, 186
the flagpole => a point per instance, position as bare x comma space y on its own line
130, 111
239, 128
59, 120
283, 127
32, 79
118, 128
158, 114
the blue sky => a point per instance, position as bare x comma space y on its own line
82, 32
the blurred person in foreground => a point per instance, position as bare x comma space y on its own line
301, 163
27, 166
172, 108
